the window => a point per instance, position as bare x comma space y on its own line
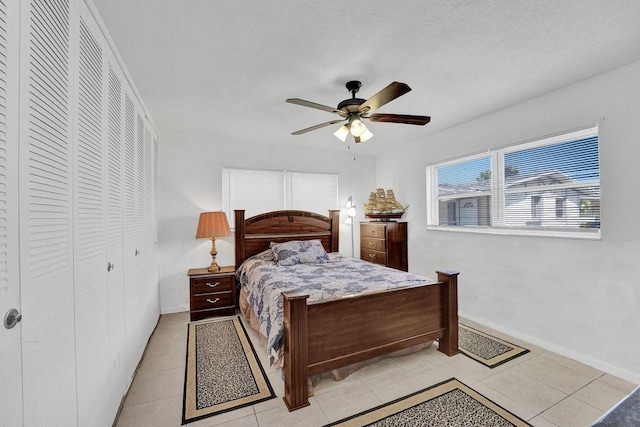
536, 207
548, 186
464, 192
258, 191
560, 207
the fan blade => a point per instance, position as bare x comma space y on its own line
400, 118
388, 94
310, 104
321, 125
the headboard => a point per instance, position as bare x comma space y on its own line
254, 235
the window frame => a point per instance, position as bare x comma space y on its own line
498, 191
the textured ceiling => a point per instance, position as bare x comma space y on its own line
223, 69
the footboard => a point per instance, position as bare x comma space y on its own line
324, 335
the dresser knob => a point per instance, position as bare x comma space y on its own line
213, 285
213, 301
372, 256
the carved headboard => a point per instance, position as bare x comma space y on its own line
255, 234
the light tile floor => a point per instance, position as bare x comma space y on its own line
541, 387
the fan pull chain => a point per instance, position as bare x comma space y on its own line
354, 150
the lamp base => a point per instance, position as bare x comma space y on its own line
214, 267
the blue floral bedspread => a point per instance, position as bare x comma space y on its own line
264, 282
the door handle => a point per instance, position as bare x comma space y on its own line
12, 318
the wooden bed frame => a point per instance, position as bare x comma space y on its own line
324, 335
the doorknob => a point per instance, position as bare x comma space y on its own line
12, 318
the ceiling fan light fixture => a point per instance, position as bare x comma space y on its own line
342, 133
366, 135
356, 127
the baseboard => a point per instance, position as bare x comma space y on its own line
563, 351
176, 309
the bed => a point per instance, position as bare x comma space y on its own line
322, 335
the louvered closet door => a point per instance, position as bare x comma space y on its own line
134, 334
46, 257
10, 339
115, 229
145, 232
93, 364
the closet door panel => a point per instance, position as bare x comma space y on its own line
145, 234
10, 339
93, 364
134, 336
46, 257
115, 244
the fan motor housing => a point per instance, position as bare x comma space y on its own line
350, 105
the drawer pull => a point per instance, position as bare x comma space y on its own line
213, 301
372, 256
372, 243
213, 285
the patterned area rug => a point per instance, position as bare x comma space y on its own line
486, 349
450, 404
223, 372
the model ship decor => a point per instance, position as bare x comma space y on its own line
383, 206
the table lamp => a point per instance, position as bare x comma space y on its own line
210, 226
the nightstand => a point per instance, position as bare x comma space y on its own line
212, 294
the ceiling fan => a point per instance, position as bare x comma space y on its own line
353, 110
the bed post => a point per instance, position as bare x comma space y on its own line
239, 236
335, 229
296, 360
449, 341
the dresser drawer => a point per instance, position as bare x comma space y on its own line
372, 244
372, 230
373, 256
212, 301
206, 285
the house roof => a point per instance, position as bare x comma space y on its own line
536, 181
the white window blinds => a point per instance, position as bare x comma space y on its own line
314, 192
259, 191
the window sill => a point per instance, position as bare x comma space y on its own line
561, 234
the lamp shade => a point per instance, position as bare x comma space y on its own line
342, 133
213, 224
356, 127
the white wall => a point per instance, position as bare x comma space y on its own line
190, 182
578, 298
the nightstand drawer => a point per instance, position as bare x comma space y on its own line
373, 256
369, 243
206, 285
212, 300
372, 230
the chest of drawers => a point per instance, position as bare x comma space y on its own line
212, 294
384, 243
